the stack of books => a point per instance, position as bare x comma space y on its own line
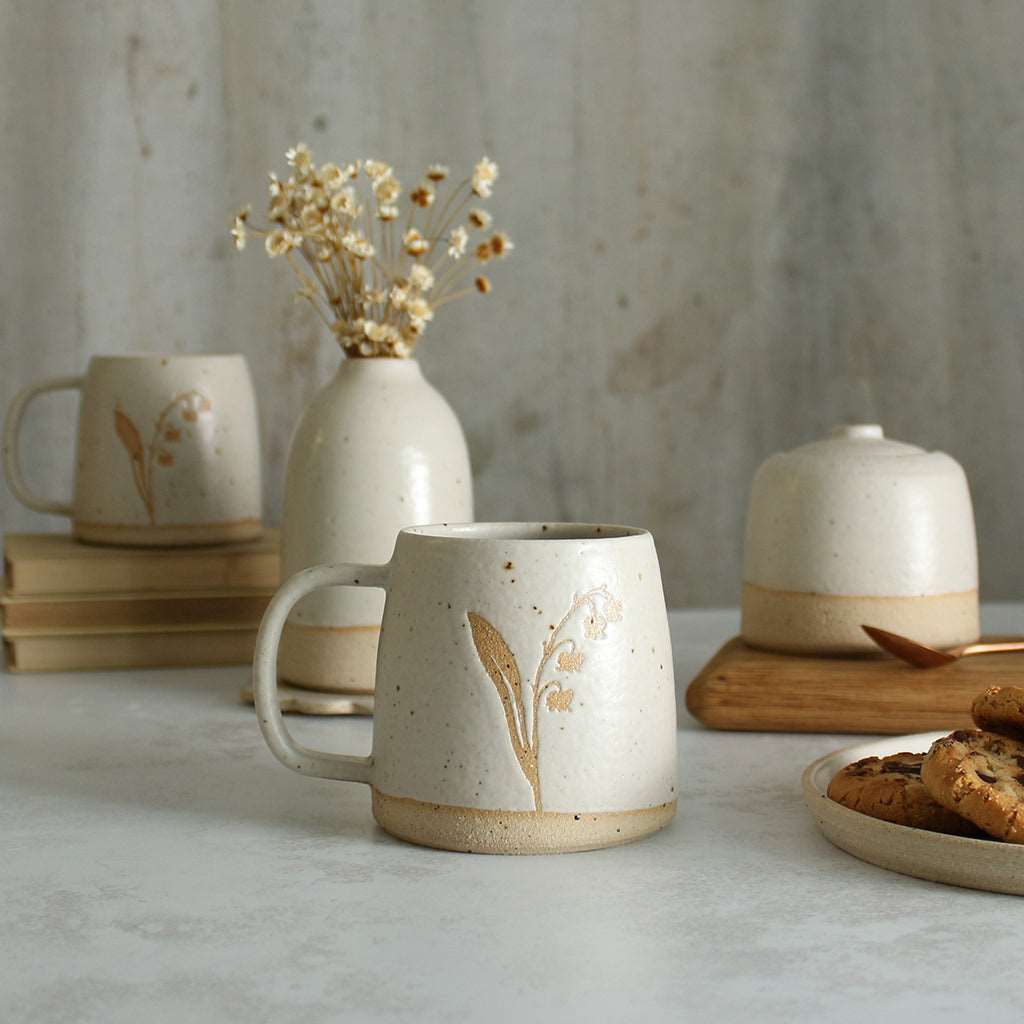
70, 606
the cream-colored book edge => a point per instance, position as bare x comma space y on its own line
141, 649
42, 563
240, 607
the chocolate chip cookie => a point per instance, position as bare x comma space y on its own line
979, 776
1000, 709
890, 788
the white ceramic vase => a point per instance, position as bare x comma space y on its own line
377, 450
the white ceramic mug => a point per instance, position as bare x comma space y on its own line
525, 696
168, 451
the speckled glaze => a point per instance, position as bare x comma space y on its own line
168, 451
377, 449
856, 529
525, 698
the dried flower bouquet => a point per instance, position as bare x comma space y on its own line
375, 285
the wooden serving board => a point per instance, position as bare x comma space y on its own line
744, 688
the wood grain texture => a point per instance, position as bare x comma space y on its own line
737, 223
747, 689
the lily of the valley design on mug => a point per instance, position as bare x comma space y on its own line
170, 428
525, 700
499, 661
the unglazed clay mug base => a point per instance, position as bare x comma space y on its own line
525, 699
853, 530
167, 451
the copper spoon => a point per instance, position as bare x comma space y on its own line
922, 656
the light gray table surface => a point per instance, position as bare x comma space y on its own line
157, 864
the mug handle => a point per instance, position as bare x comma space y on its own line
345, 767
12, 464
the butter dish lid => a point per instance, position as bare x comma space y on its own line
858, 514
863, 445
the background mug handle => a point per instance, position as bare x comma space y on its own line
12, 464
346, 767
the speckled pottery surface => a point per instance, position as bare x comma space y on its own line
377, 449
168, 451
525, 699
859, 529
954, 860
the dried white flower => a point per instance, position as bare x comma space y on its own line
387, 190
344, 202
316, 196
421, 277
457, 242
437, 172
300, 158
420, 311
375, 331
332, 177
310, 216
388, 213
480, 219
501, 244
398, 297
356, 243
279, 208
423, 195
415, 244
238, 231
280, 241
376, 169
485, 174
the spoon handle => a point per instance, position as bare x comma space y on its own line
993, 648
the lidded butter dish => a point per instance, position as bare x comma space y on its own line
858, 529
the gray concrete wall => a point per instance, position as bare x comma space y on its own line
737, 223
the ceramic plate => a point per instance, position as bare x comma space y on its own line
973, 863
312, 702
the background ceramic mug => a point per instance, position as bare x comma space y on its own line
168, 450
525, 695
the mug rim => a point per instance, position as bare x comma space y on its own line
165, 356
526, 532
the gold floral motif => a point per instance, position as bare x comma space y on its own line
499, 662
189, 405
